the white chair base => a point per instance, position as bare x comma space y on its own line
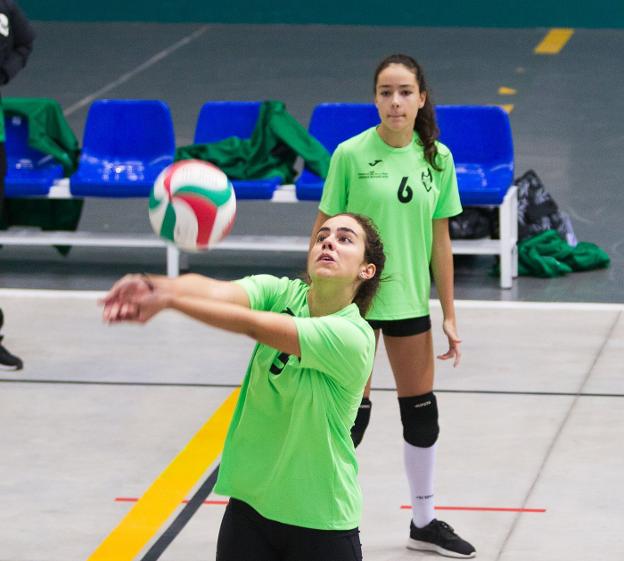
505, 248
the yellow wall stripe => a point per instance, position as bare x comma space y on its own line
554, 41
153, 509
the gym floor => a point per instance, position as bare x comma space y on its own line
102, 420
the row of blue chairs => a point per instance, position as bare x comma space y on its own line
127, 143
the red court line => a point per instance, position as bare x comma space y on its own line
482, 508
404, 507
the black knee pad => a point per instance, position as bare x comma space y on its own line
419, 415
361, 421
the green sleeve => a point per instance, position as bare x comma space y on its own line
263, 290
336, 189
448, 204
337, 347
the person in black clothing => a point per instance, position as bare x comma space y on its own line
16, 40
7, 360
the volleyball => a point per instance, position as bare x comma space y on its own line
192, 204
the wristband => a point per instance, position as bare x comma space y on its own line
148, 282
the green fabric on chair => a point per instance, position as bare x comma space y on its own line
48, 130
271, 151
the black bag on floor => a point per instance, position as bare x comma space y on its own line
472, 223
538, 211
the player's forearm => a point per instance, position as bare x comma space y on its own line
443, 280
443, 271
190, 285
276, 330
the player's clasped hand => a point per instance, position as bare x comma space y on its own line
133, 298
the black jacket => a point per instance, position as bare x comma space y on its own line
16, 39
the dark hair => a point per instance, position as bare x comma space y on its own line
425, 124
373, 253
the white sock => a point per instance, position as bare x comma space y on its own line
419, 465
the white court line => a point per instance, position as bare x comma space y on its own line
555, 440
129, 75
51, 294
518, 305
463, 304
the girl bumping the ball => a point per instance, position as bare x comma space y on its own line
289, 463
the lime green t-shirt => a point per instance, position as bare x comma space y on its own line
402, 193
288, 451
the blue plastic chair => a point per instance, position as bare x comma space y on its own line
29, 172
126, 144
331, 124
480, 140
219, 120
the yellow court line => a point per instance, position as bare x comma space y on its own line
554, 41
507, 107
164, 496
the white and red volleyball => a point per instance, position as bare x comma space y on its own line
192, 204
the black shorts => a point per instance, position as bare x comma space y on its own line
402, 327
245, 535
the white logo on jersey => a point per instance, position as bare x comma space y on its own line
4, 25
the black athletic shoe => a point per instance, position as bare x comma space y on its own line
9, 361
438, 536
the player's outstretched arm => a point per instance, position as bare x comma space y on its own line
119, 303
276, 330
202, 287
140, 305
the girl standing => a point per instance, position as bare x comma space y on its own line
401, 177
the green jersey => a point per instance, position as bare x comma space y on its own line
288, 451
402, 193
